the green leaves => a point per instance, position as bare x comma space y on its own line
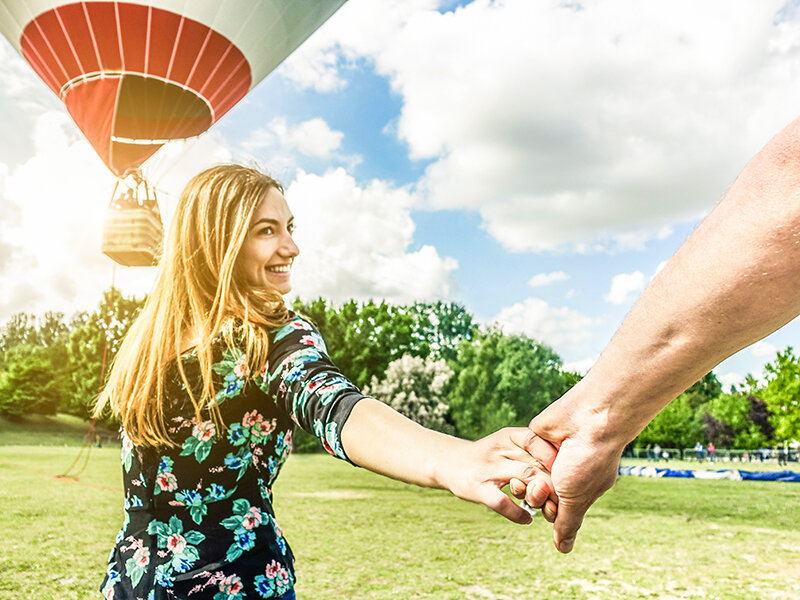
502, 380
782, 394
194, 537
200, 448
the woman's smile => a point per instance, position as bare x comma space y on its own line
268, 251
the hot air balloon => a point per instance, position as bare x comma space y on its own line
134, 75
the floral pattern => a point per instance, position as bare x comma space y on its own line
199, 522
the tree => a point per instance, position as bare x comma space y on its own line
718, 432
704, 390
737, 428
362, 339
90, 332
33, 364
760, 416
26, 329
35, 380
782, 394
502, 380
677, 426
439, 327
414, 387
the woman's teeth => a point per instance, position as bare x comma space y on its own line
279, 269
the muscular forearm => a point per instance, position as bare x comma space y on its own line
734, 281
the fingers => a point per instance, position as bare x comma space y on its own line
550, 511
517, 488
538, 448
538, 492
503, 505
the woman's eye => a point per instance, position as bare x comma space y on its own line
267, 231
291, 228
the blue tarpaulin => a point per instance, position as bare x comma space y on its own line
734, 474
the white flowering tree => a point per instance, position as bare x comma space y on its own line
414, 387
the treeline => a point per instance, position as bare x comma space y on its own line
429, 360
756, 415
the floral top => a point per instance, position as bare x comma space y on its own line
199, 522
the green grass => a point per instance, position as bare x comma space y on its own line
49, 430
358, 535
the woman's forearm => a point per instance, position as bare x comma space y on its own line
382, 440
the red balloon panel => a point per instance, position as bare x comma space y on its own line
134, 76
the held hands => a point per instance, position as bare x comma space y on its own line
480, 469
584, 468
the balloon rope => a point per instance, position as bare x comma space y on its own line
87, 440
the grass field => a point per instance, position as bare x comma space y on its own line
357, 535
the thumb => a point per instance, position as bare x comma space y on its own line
568, 521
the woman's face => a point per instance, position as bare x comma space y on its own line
268, 251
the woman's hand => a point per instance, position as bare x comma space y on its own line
478, 471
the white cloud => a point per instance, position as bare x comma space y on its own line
56, 263
763, 349
54, 204
584, 128
23, 97
355, 242
311, 138
567, 331
358, 29
543, 279
580, 366
625, 287
730, 379
284, 147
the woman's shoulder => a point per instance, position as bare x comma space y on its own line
297, 323
298, 330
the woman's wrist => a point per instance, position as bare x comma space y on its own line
441, 466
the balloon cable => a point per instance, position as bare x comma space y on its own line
87, 440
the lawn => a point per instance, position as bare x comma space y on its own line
357, 535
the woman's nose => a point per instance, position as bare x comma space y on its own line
288, 247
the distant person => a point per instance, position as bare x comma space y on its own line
209, 384
712, 449
650, 453
732, 282
698, 448
783, 454
657, 453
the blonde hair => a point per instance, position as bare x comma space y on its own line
198, 292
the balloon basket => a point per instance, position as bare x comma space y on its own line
133, 234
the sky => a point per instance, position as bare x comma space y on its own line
537, 162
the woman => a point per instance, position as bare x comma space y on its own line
208, 386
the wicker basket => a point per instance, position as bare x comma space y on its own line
132, 236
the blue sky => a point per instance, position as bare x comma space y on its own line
535, 161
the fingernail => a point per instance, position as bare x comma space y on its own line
566, 545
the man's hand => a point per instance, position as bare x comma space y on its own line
584, 468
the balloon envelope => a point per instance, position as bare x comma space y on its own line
134, 75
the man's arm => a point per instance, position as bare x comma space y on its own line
735, 280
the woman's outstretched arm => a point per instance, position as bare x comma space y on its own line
378, 438
364, 431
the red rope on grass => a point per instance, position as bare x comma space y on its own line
87, 444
